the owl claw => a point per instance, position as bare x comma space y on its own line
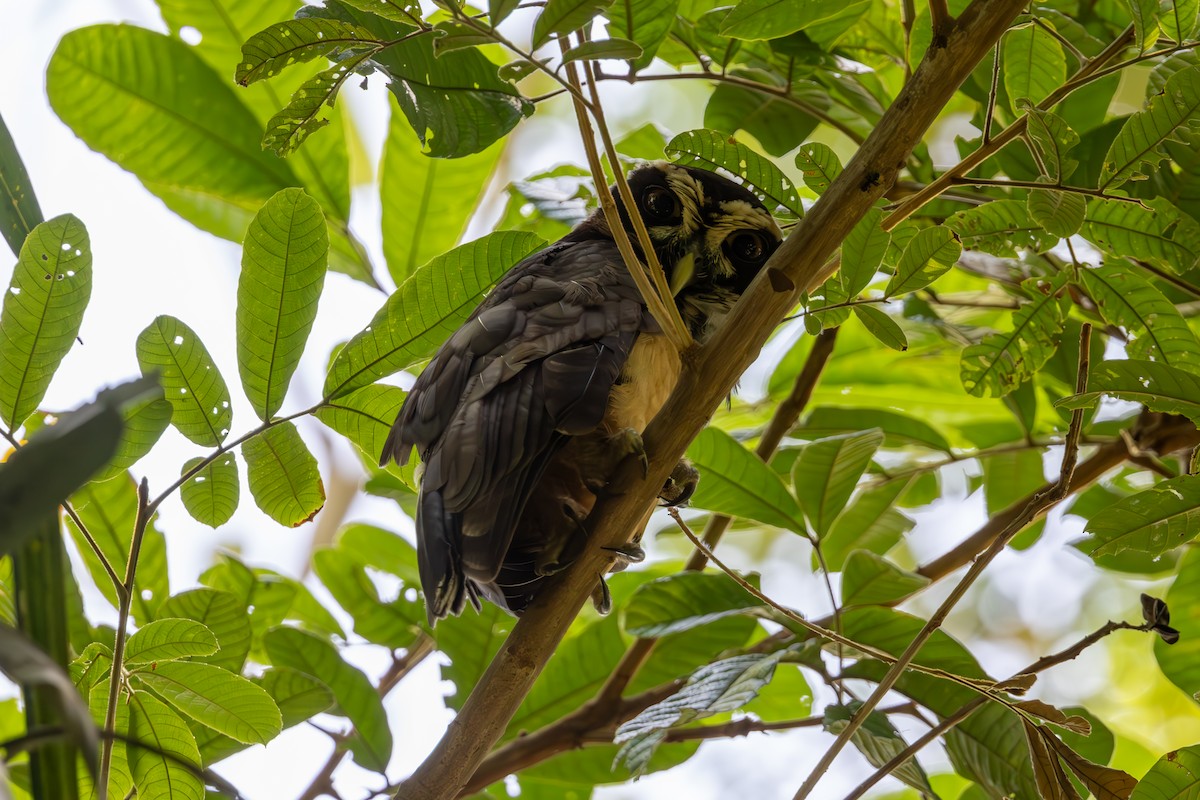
602, 598
629, 553
629, 441
680, 484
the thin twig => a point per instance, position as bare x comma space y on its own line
1004, 183
992, 93
939, 16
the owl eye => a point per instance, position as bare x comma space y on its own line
747, 248
660, 204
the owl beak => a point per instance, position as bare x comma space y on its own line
682, 274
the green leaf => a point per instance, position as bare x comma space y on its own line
899, 430
1059, 213
1135, 231
1180, 662
42, 312
820, 166
1170, 116
109, 511
1178, 19
283, 271
392, 624
882, 327
1124, 298
862, 252
1001, 227
1001, 362
427, 308
1157, 386
211, 495
1034, 64
646, 22
168, 640
869, 523
427, 202
1153, 521
301, 117
928, 255
168, 766
371, 742
722, 686
402, 11
297, 695
455, 102
1176, 776
1053, 138
681, 602
711, 150
869, 579
825, 474
19, 209
221, 613
619, 49
191, 382
879, 742
564, 16
217, 698
283, 475
296, 41
772, 19
364, 416
470, 642
736, 482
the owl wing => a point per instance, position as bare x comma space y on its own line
532, 366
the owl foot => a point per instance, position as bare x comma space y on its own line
680, 484
602, 598
629, 553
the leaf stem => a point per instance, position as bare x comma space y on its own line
1058, 187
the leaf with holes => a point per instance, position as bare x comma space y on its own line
427, 202
1002, 228
19, 209
825, 474
724, 685
301, 117
211, 495
296, 41
1159, 387
283, 475
1125, 299
820, 165
1001, 362
736, 482
928, 255
1172, 116
713, 150
42, 312
1137, 231
427, 308
191, 382
681, 602
1173, 777
283, 271
356, 698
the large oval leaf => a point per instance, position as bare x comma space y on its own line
190, 380
736, 482
712, 150
927, 255
283, 271
1157, 386
283, 475
43, 310
221, 613
168, 640
215, 697
825, 474
1176, 776
682, 602
211, 495
168, 766
1172, 115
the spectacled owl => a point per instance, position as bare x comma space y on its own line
527, 409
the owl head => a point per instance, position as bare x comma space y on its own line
711, 236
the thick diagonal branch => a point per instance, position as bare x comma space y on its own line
710, 373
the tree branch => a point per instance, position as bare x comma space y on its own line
709, 374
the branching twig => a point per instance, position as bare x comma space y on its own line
1058, 187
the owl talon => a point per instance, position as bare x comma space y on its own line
630, 553
602, 598
629, 441
680, 485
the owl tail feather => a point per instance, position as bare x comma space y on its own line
446, 587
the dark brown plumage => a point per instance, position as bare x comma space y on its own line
525, 411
